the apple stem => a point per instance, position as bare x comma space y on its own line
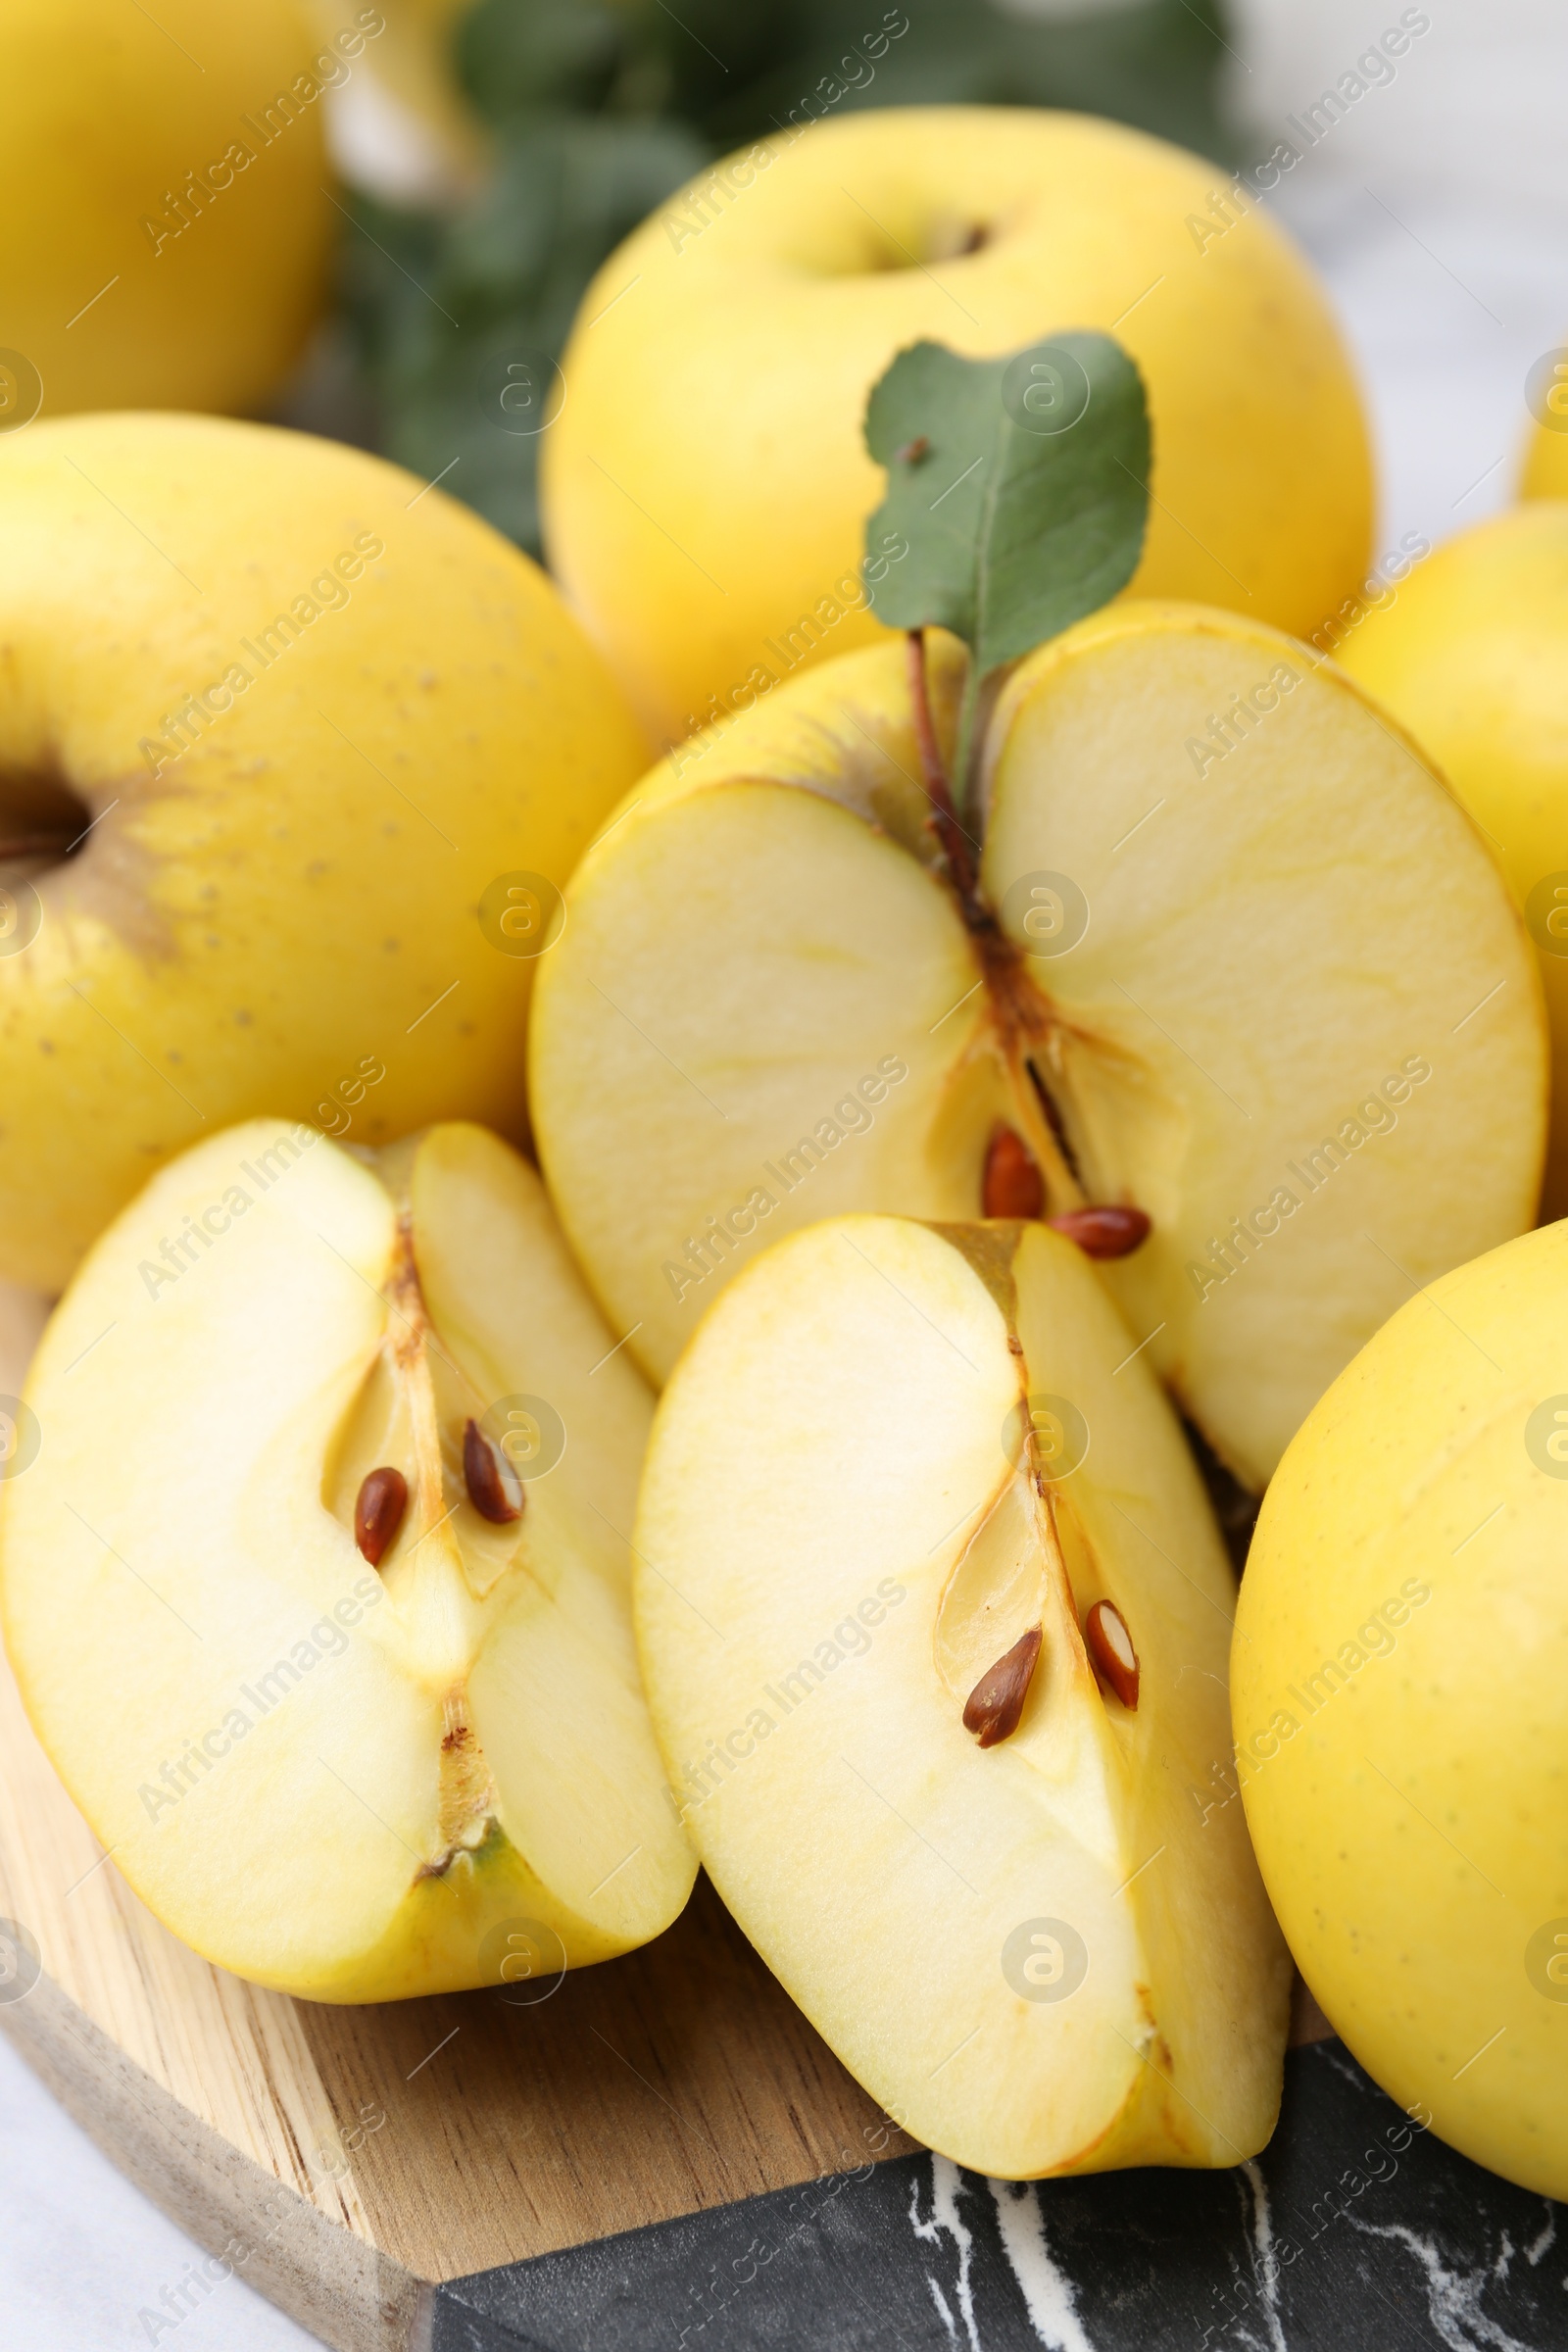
955, 843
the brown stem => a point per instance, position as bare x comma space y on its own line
934, 776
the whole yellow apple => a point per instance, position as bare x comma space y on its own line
294, 757
705, 484
168, 230
438, 145
1397, 1671
1545, 467
1471, 654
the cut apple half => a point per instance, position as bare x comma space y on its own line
347, 1725
1237, 963
934, 1619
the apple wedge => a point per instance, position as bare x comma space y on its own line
314, 1571
1233, 958
934, 1618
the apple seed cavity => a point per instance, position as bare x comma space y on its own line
1013, 1185
383, 1497
1111, 1647
494, 1487
1108, 1231
996, 1703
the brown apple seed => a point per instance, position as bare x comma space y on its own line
995, 1702
1109, 1231
383, 1497
494, 1487
1110, 1646
1013, 1185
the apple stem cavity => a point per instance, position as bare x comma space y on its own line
378, 1510
494, 1487
1106, 1231
1013, 1185
994, 1705
1112, 1653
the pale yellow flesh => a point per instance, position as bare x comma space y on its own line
840, 1530
711, 538
1471, 654
453, 1743
117, 296
767, 1008
273, 906
1402, 1650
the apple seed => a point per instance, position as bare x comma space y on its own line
1107, 1231
1110, 1646
383, 1499
494, 1487
995, 1702
1013, 1185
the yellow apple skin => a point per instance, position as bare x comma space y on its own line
1471, 654
292, 903
706, 484
1397, 1671
1545, 467
104, 112
411, 67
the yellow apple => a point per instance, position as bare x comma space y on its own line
429, 144
279, 733
314, 1572
168, 226
705, 484
1196, 978
1397, 1671
934, 1618
1545, 467
1471, 654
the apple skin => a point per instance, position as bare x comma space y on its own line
292, 903
706, 484
1545, 473
1470, 653
1397, 1670
104, 112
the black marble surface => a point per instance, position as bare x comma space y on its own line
1355, 2231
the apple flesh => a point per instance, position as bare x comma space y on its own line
260, 823
1201, 987
1402, 1650
898, 1476
347, 1780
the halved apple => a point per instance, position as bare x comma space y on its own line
1235, 959
316, 1589
935, 1618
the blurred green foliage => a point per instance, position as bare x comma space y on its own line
600, 109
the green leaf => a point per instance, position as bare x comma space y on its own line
1019, 486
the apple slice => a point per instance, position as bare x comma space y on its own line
284, 1362
935, 1620
1235, 959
